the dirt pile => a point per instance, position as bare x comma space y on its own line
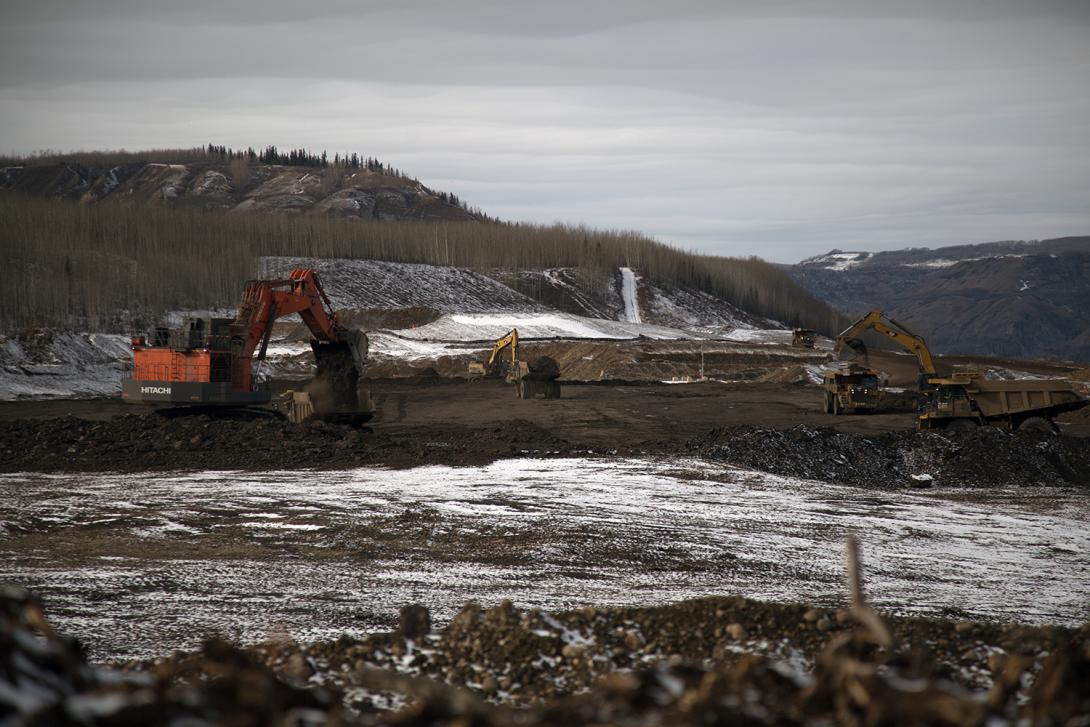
988, 457
707, 662
157, 442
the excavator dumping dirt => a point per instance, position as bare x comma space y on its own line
210, 362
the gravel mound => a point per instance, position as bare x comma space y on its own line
988, 457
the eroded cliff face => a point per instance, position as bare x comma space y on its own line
258, 187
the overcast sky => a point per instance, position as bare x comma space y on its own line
774, 128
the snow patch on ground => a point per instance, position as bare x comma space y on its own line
781, 337
838, 260
1001, 554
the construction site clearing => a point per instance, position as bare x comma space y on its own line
606, 637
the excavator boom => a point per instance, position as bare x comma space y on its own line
851, 337
510, 341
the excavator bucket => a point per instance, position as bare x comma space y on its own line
339, 364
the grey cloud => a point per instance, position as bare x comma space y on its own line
763, 127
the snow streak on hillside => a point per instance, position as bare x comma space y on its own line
629, 293
377, 284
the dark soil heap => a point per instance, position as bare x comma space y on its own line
149, 442
988, 457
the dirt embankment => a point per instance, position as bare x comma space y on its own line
707, 662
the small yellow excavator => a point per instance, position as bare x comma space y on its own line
494, 363
536, 380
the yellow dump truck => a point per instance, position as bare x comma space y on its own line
965, 401
851, 388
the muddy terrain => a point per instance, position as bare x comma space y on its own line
622, 519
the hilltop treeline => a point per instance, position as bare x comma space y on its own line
212, 153
114, 267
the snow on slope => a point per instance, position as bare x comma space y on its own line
483, 327
56, 365
689, 308
629, 294
477, 310
378, 284
837, 260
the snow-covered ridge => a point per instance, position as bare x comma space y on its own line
940, 262
840, 261
837, 260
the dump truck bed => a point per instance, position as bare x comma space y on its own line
998, 398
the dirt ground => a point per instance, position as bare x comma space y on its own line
432, 420
672, 659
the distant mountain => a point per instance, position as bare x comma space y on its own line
1014, 298
239, 186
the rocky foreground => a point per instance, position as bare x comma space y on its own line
707, 662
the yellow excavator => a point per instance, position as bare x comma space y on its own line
494, 362
536, 380
851, 338
856, 388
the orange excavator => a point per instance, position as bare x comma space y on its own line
210, 361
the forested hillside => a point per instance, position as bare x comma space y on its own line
106, 240
104, 267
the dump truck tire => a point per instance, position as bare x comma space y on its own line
836, 407
1037, 424
828, 404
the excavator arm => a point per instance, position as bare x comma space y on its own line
264, 301
875, 320
340, 353
510, 341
